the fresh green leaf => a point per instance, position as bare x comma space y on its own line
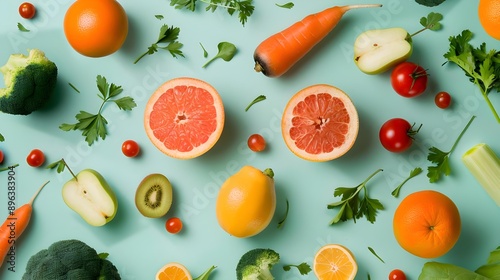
2, 138
353, 206
126, 103
375, 254
73, 87
103, 256
282, 221
437, 270
304, 268
288, 5
244, 8
256, 100
205, 53
430, 3
431, 22
167, 40
22, 28
160, 17
10, 167
413, 173
206, 274
226, 52
186, 4
441, 159
103, 86
59, 165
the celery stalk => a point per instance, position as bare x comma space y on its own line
484, 165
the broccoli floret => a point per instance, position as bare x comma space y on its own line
256, 264
70, 259
29, 82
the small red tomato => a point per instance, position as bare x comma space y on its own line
443, 100
397, 274
409, 79
1, 156
35, 158
130, 148
396, 135
256, 142
173, 225
27, 10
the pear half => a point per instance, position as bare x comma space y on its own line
91, 197
376, 51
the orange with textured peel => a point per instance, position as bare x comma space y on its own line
184, 117
489, 17
320, 123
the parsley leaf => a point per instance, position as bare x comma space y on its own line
244, 8
21, 27
429, 3
256, 100
431, 22
168, 37
375, 254
441, 159
480, 65
352, 206
160, 17
226, 52
93, 126
288, 5
304, 268
413, 173
2, 138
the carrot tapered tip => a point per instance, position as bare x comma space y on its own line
37, 192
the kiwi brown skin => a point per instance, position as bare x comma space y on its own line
153, 196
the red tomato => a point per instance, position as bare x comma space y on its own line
442, 100
396, 135
173, 225
397, 274
27, 10
35, 158
130, 148
409, 79
256, 142
1, 156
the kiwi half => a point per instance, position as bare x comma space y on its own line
153, 197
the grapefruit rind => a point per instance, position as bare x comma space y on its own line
214, 136
351, 131
322, 266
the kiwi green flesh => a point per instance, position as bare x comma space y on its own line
153, 197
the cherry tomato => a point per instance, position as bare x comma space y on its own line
173, 225
409, 79
27, 10
35, 158
130, 148
1, 156
397, 274
443, 100
396, 135
256, 142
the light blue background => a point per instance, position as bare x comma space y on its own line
139, 246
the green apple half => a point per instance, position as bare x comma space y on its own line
376, 51
89, 195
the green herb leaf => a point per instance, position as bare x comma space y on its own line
441, 159
431, 22
244, 8
59, 165
256, 100
160, 17
93, 126
73, 87
353, 206
304, 268
2, 138
416, 171
282, 221
187, 4
205, 53
429, 3
22, 28
375, 254
167, 36
288, 5
226, 52
206, 274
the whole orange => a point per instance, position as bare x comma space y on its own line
427, 224
489, 17
96, 28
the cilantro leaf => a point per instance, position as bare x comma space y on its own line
93, 126
304, 268
244, 8
187, 4
226, 51
441, 159
353, 206
429, 3
168, 35
431, 22
413, 173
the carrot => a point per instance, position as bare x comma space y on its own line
14, 226
278, 53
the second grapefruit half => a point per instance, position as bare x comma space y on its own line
184, 117
320, 123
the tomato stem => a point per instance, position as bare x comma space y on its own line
412, 132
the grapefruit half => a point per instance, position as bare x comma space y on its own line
320, 123
184, 117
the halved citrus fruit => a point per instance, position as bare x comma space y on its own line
334, 261
184, 117
320, 123
173, 271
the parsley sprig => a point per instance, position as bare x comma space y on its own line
415, 172
441, 159
480, 65
167, 40
431, 22
93, 126
304, 268
244, 8
353, 206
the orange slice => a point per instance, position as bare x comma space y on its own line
334, 262
320, 123
173, 271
